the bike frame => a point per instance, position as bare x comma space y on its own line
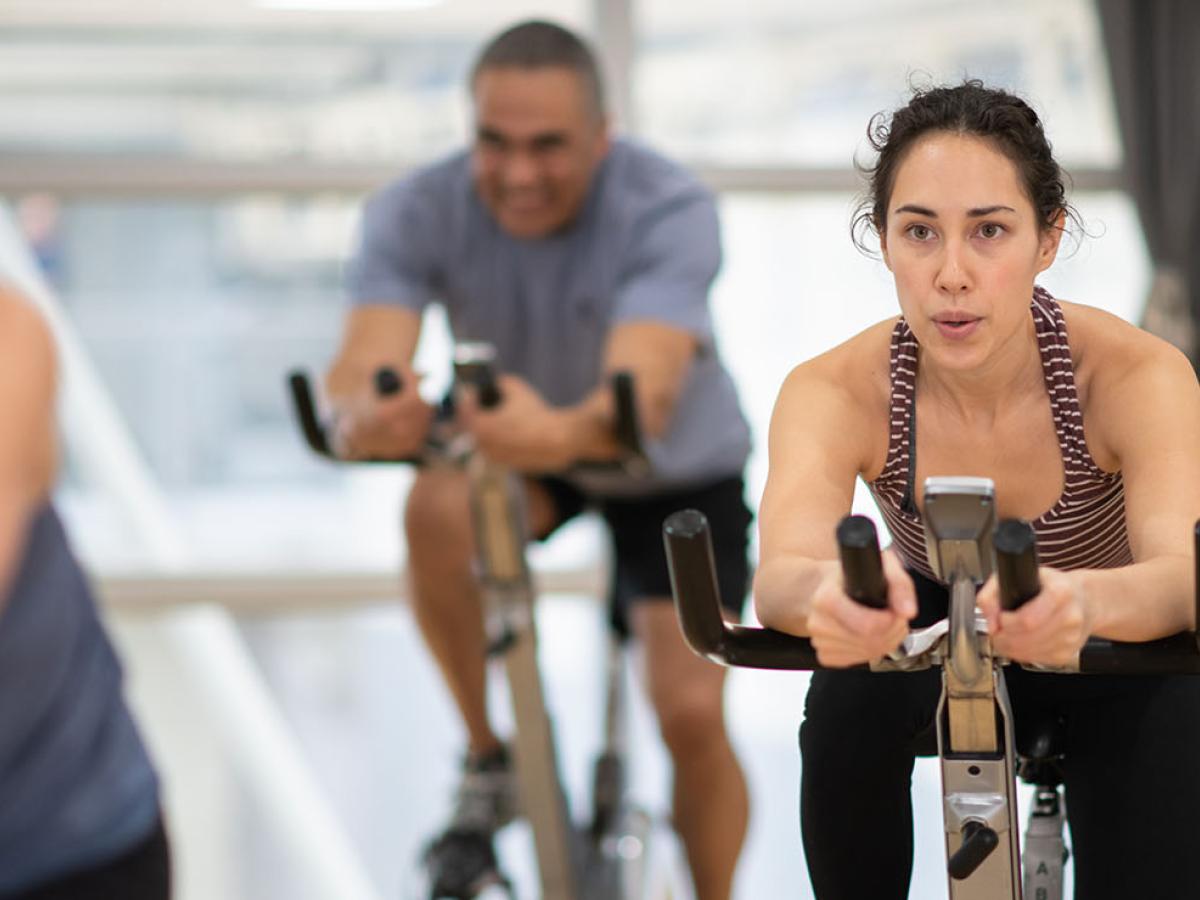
599, 862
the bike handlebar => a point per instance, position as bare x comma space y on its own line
1016, 563
626, 426
862, 566
692, 568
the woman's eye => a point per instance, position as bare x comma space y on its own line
920, 232
991, 230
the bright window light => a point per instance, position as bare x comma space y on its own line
346, 5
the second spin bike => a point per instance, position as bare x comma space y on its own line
608, 856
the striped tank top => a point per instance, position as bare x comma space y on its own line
1085, 528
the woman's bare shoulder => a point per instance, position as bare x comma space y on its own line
857, 368
1123, 373
843, 394
1106, 349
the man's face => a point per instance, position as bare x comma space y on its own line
538, 141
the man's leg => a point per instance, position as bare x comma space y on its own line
711, 804
445, 598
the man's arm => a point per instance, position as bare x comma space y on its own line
527, 433
28, 447
658, 357
377, 335
374, 335
390, 279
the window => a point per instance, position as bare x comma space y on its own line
784, 83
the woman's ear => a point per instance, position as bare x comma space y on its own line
883, 249
1049, 241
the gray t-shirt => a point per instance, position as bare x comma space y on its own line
645, 246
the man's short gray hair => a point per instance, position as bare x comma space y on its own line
536, 44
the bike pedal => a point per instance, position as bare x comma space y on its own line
461, 865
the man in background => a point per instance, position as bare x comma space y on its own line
575, 254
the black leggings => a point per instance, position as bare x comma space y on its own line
1131, 776
142, 873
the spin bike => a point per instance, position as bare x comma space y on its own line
607, 857
975, 733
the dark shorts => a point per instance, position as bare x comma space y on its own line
639, 569
141, 873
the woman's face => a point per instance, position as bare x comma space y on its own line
964, 244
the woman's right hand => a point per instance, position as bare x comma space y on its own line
375, 426
845, 632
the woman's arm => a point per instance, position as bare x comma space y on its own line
1143, 417
28, 446
821, 438
1150, 415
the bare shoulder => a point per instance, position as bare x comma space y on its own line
844, 394
1107, 350
24, 333
856, 369
27, 387
1125, 374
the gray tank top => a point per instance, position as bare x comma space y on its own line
76, 785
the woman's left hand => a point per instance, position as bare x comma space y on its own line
1049, 630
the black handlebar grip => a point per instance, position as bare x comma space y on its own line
626, 428
306, 411
1016, 563
387, 382
862, 566
979, 840
487, 389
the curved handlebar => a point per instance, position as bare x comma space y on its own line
626, 427
697, 601
317, 433
691, 564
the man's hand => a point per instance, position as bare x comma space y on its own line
1050, 629
522, 431
371, 426
845, 633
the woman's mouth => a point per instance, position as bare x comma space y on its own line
956, 325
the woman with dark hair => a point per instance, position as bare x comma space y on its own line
1088, 428
79, 800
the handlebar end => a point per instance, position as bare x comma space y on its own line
1016, 563
387, 382
862, 568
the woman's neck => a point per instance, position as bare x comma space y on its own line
1010, 375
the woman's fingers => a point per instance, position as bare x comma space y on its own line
1049, 629
902, 593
